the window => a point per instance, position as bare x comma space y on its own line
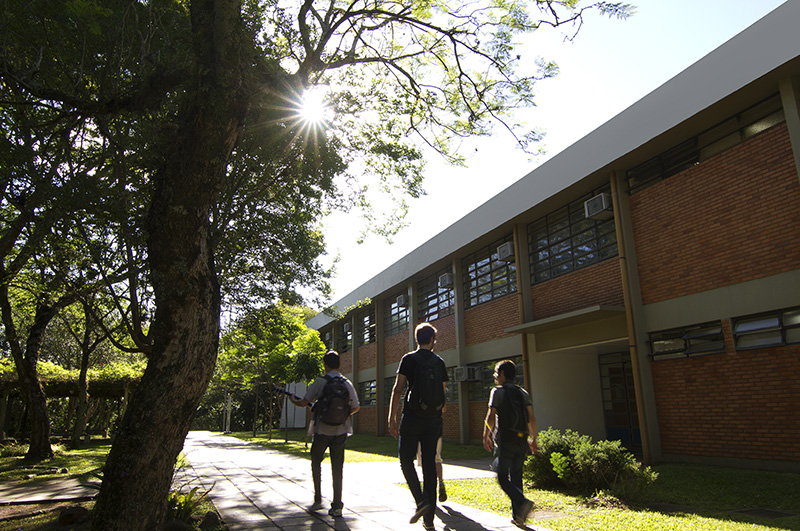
345, 337
688, 341
366, 327
366, 393
327, 339
435, 302
479, 391
388, 385
565, 240
767, 330
451, 386
396, 314
486, 277
717, 139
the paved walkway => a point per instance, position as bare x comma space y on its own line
258, 488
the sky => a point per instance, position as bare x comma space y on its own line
609, 66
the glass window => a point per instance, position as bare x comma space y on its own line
395, 314
717, 139
435, 301
366, 327
366, 393
565, 240
479, 390
451, 386
345, 337
781, 327
693, 340
486, 276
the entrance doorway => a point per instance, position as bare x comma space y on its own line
619, 400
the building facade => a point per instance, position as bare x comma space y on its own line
647, 279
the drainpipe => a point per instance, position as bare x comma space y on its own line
632, 345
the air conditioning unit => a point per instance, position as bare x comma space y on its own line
446, 280
506, 252
467, 374
402, 301
599, 207
346, 327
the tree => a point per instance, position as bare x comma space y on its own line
187, 82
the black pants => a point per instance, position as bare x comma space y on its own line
424, 432
318, 447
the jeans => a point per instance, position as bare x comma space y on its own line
318, 447
508, 466
424, 432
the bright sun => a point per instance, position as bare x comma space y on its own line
313, 109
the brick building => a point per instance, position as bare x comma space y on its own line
647, 278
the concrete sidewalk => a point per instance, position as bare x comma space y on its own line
254, 487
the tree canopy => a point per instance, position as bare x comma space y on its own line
155, 151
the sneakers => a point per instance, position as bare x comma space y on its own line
316, 506
442, 492
336, 513
421, 511
521, 517
428, 527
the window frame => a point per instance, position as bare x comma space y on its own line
486, 277
368, 393
395, 317
565, 241
366, 327
688, 341
434, 302
783, 326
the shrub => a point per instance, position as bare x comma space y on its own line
571, 461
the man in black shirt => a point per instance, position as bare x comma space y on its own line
421, 422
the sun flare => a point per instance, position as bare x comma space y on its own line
313, 108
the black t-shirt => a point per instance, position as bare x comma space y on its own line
408, 365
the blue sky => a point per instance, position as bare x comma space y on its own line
608, 67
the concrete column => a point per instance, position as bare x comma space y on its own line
461, 341
790, 97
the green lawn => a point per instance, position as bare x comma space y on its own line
360, 448
683, 498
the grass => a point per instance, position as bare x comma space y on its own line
80, 463
683, 498
360, 448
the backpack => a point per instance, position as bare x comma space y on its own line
334, 404
426, 396
512, 430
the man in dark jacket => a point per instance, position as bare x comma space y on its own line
511, 441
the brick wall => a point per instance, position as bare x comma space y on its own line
394, 347
451, 427
730, 219
597, 284
346, 362
368, 420
477, 416
487, 321
445, 333
367, 356
738, 404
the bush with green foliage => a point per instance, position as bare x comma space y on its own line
571, 461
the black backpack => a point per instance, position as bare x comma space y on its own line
512, 418
426, 396
334, 404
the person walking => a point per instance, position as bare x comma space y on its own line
335, 401
510, 430
421, 421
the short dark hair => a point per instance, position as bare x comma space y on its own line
331, 359
508, 368
424, 333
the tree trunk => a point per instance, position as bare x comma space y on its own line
185, 330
